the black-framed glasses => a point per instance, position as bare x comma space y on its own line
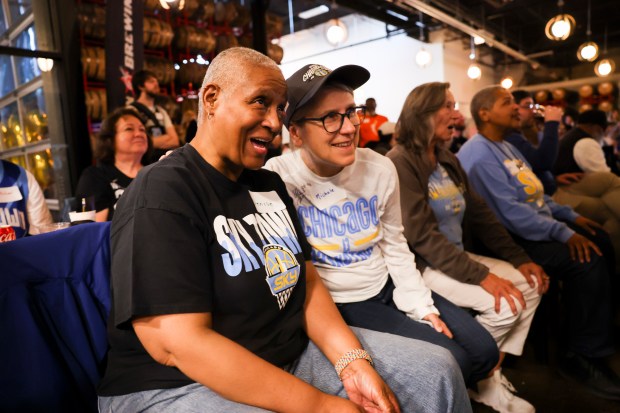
333, 121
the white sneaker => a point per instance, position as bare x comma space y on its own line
497, 392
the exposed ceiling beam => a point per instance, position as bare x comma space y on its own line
465, 28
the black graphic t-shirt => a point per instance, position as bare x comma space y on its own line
104, 184
186, 239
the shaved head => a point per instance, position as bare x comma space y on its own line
231, 67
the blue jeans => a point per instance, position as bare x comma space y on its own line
473, 347
425, 378
586, 291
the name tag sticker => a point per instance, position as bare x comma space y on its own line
325, 195
512, 166
267, 201
10, 194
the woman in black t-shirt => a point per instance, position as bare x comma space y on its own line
216, 306
121, 148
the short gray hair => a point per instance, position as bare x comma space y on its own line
224, 70
484, 99
415, 123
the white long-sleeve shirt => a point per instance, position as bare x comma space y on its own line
589, 156
353, 222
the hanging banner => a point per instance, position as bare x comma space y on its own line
124, 49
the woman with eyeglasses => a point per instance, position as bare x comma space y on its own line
347, 199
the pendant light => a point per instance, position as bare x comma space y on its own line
473, 71
336, 32
588, 51
561, 26
605, 66
423, 58
169, 4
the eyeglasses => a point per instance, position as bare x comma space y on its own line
333, 121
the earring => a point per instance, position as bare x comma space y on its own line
210, 116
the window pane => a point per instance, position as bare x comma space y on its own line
35, 116
2, 21
41, 165
6, 74
18, 160
11, 134
27, 68
18, 8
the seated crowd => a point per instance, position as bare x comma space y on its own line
351, 280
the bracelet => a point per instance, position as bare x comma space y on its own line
349, 356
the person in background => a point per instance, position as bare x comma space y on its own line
189, 125
597, 193
543, 155
120, 149
369, 130
442, 216
568, 120
458, 132
347, 199
386, 138
22, 204
158, 124
554, 236
215, 304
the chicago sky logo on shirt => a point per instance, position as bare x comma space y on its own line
261, 240
282, 272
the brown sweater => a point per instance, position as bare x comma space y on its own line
431, 247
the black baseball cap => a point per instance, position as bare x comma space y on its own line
593, 117
307, 81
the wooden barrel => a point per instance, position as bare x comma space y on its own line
243, 16
163, 69
152, 5
103, 98
191, 7
225, 41
91, 19
273, 25
208, 9
275, 52
245, 40
96, 104
219, 13
192, 73
93, 62
157, 33
205, 41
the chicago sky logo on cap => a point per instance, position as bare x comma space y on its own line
315, 70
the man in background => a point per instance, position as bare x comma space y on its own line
369, 129
156, 119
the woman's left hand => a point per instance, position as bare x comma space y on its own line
367, 389
438, 324
588, 224
530, 271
